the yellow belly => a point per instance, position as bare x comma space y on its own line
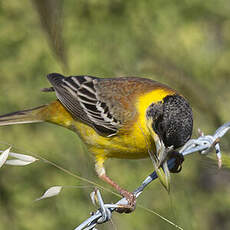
132, 145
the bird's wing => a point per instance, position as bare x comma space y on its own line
86, 99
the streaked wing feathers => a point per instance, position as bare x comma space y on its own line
79, 95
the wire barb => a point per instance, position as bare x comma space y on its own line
203, 144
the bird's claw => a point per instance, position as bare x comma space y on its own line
131, 199
105, 209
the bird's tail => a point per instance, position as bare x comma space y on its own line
23, 116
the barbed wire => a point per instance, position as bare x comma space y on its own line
203, 144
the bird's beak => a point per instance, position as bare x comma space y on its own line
162, 164
159, 160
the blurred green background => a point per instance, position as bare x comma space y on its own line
185, 44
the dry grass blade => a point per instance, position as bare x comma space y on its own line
17, 162
52, 191
4, 156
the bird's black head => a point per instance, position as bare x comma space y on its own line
172, 120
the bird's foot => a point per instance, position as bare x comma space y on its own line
130, 207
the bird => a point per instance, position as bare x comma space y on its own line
121, 117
